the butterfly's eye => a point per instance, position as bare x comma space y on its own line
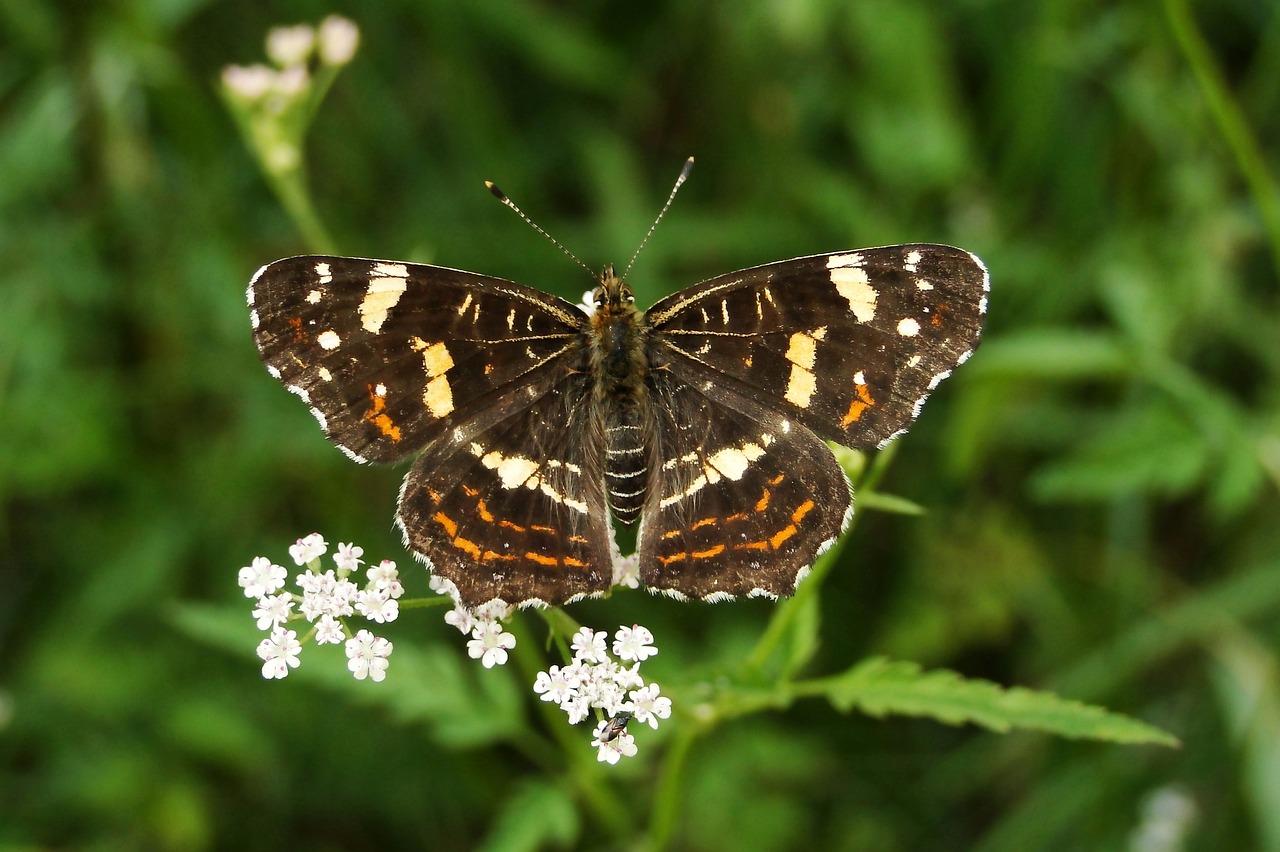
629, 298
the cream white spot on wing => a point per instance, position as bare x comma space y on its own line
324, 374
728, 463
837, 261
859, 378
313, 298
853, 284
913, 257
436, 359
921, 284
908, 327
324, 272
383, 294
466, 303
514, 471
800, 387
329, 339
379, 389
802, 352
438, 396
392, 270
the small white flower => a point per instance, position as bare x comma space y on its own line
385, 576
623, 745
634, 643
461, 618
292, 81
589, 646
377, 606
347, 557
329, 631
312, 547
494, 610
648, 706
288, 46
263, 577
338, 39
555, 685
576, 708
273, 610
367, 656
280, 651
626, 571
250, 83
628, 678
490, 644
342, 600
443, 586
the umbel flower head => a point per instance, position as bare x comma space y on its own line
595, 680
328, 598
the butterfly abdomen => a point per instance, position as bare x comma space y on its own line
619, 363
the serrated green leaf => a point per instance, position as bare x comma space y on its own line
881, 687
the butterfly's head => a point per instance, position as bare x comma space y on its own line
612, 294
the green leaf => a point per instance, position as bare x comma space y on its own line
1054, 354
877, 501
880, 687
538, 816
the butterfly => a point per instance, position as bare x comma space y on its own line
537, 425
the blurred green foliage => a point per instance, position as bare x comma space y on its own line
1101, 479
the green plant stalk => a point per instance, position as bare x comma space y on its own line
786, 613
599, 799
1230, 119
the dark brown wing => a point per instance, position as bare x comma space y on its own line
743, 498
390, 356
849, 343
513, 507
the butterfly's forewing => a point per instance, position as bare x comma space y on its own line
849, 343
742, 500
516, 510
390, 356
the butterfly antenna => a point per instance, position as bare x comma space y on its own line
684, 175
502, 196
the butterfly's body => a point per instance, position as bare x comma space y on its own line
701, 419
616, 342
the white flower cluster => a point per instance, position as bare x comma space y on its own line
327, 598
596, 680
489, 642
266, 92
334, 42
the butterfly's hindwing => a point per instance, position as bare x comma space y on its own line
742, 500
848, 343
517, 510
391, 355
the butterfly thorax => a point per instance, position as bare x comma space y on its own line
619, 366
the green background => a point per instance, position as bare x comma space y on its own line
1101, 478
